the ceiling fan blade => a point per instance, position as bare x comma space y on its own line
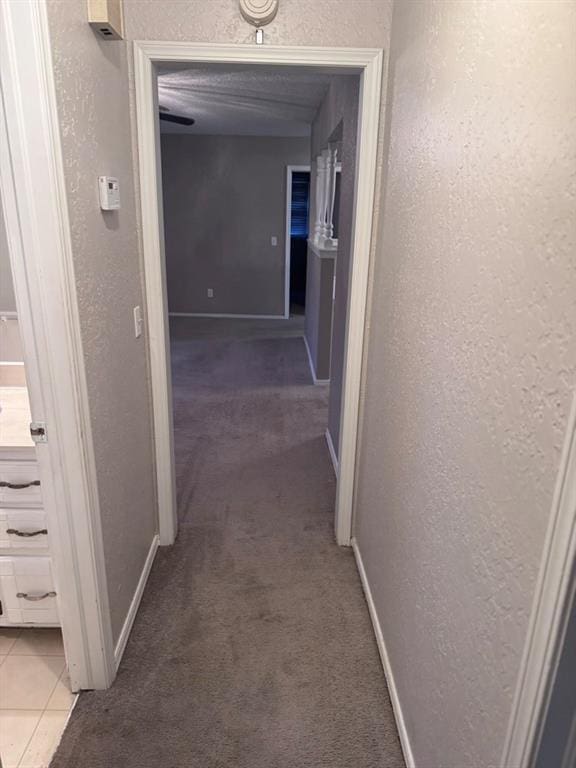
177, 119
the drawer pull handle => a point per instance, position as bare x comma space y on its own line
35, 598
18, 486
27, 534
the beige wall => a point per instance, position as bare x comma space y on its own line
92, 83
471, 357
224, 199
298, 22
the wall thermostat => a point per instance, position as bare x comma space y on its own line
109, 193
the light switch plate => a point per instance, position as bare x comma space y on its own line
274, 240
138, 322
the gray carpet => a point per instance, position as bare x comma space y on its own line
253, 646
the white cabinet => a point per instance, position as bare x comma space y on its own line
19, 483
23, 530
27, 589
27, 592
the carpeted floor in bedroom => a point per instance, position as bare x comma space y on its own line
253, 647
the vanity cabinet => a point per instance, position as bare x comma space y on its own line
28, 595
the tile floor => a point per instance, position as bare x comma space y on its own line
35, 698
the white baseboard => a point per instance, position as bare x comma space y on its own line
311, 364
392, 690
332, 451
225, 315
135, 604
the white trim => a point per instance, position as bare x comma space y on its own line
226, 315
366, 151
40, 249
9, 315
385, 659
332, 451
135, 604
146, 92
364, 61
554, 589
311, 364
290, 169
355, 59
322, 253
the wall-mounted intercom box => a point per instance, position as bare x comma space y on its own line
105, 18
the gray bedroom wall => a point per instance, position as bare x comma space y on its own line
92, 88
339, 114
7, 300
224, 199
471, 361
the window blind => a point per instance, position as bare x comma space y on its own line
300, 204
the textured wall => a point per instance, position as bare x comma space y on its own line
299, 22
319, 310
7, 300
93, 102
224, 198
471, 359
338, 116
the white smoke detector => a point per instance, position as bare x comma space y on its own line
259, 12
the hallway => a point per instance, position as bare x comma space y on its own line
253, 647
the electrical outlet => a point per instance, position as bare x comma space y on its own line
210, 293
274, 240
138, 321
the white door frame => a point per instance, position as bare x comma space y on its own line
550, 614
366, 62
290, 169
35, 210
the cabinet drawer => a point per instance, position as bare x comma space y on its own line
19, 483
23, 530
27, 592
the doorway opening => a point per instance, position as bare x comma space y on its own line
367, 63
251, 241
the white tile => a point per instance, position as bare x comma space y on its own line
44, 740
27, 682
38, 642
62, 698
16, 729
8, 637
